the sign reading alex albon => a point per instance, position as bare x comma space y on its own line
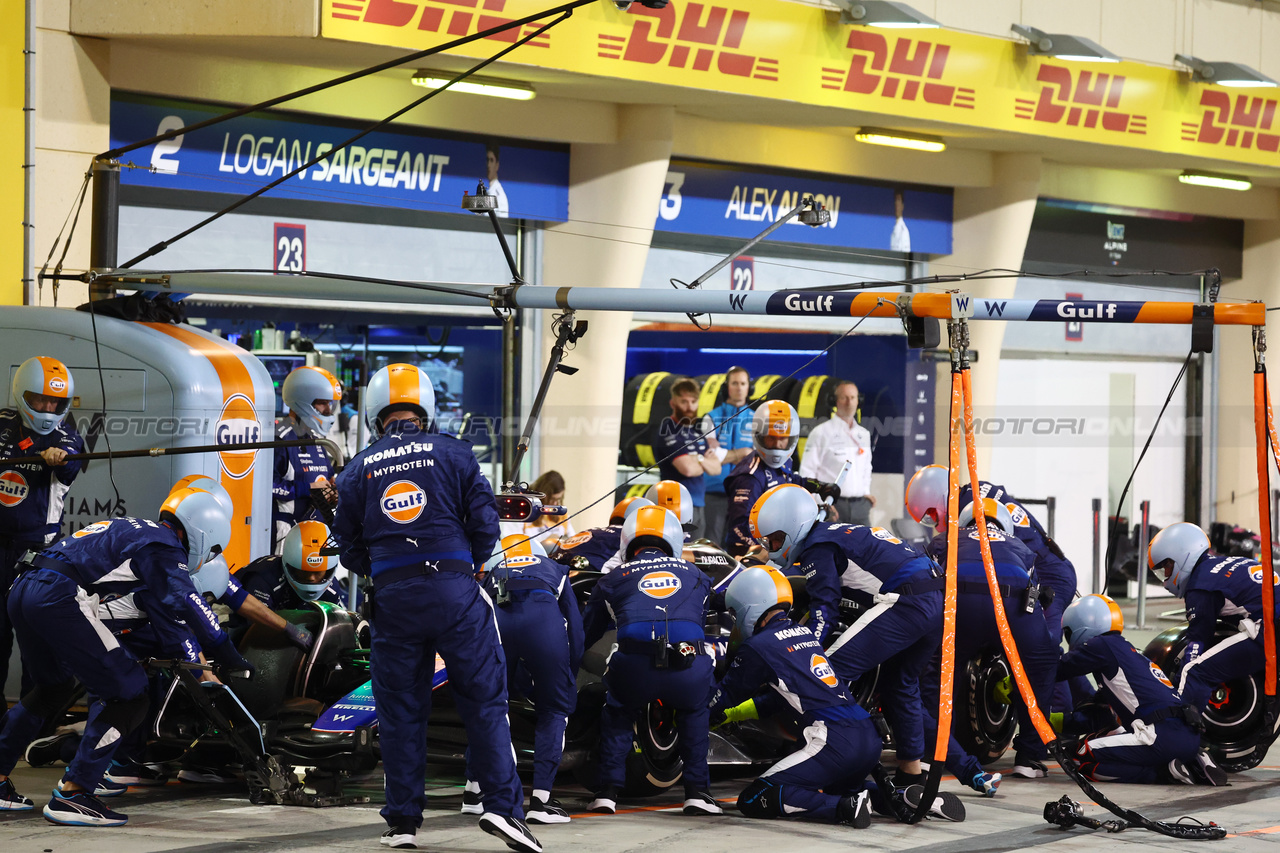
801, 52
724, 201
400, 167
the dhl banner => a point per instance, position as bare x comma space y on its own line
785, 50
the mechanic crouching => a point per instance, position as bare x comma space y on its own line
416, 513
659, 603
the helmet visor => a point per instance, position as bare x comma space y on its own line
45, 404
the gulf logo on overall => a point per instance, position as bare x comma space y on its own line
1160, 676
13, 488
659, 585
1255, 572
238, 424
402, 501
822, 671
96, 527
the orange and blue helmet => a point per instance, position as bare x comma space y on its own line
41, 381
671, 495
306, 569
652, 526
626, 507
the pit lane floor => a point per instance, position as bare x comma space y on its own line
219, 819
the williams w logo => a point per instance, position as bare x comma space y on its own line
737, 301
689, 35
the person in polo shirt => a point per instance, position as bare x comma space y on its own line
684, 454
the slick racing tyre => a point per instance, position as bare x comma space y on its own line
984, 725
654, 764
1234, 717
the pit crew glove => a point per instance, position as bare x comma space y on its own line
822, 490
738, 713
226, 656
298, 635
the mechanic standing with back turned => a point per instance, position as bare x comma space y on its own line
415, 512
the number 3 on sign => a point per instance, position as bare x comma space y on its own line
290, 247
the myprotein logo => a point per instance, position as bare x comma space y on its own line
13, 488
659, 585
903, 68
700, 37
238, 424
449, 17
403, 501
1159, 675
1080, 98
1244, 124
822, 670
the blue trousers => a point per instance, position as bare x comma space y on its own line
835, 760
413, 619
10, 552
61, 638
1236, 656
1138, 753
535, 640
632, 683
903, 635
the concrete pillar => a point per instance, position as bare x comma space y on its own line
990, 231
1236, 498
614, 191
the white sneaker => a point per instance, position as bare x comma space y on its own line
472, 801
512, 831
400, 837
701, 803
545, 811
605, 802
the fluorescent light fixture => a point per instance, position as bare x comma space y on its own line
883, 13
1063, 46
1215, 179
1224, 73
474, 85
896, 139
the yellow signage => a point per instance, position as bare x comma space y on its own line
12, 206
777, 49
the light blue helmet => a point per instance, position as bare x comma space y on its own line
652, 525
1089, 617
402, 386
1173, 554
42, 377
514, 545
787, 509
994, 512
300, 390
213, 577
753, 592
204, 521
306, 569
205, 483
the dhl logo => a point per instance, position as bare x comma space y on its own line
1080, 99
689, 35
464, 17
909, 71
1241, 127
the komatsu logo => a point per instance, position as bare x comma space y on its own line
659, 585
818, 304
238, 424
13, 488
402, 501
1096, 311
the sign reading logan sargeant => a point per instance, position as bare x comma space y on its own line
723, 201
397, 167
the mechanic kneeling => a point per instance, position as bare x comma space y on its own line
659, 602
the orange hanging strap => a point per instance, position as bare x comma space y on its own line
947, 668
1002, 620
1262, 423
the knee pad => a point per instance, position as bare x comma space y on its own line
761, 800
45, 700
125, 715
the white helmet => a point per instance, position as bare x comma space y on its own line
399, 386
213, 577
204, 521
995, 513
753, 592
787, 509
302, 387
205, 483
926, 497
1090, 616
626, 507
671, 495
41, 377
775, 419
306, 569
514, 545
652, 526
1173, 554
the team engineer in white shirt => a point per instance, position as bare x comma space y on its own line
834, 441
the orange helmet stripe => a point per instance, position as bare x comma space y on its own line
651, 521
54, 369
755, 510
1117, 618
620, 511
667, 493
781, 584
778, 418
404, 387
176, 497
333, 381
517, 545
